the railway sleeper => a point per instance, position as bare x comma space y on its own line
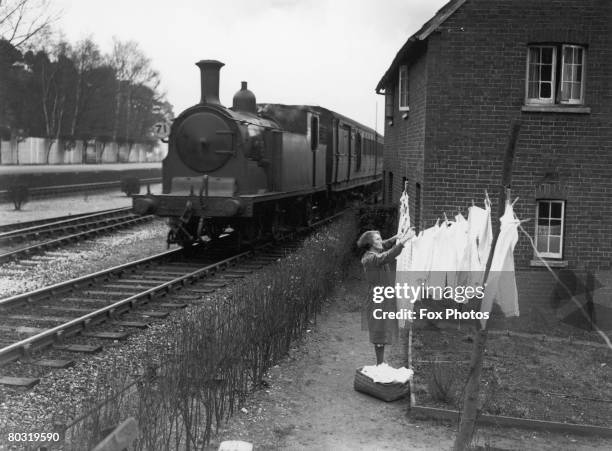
154, 314
134, 324
54, 363
107, 335
19, 382
86, 349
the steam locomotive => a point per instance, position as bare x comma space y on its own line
258, 169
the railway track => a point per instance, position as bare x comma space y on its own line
49, 234
26, 224
110, 303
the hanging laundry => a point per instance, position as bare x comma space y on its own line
404, 216
459, 234
404, 260
501, 282
422, 253
480, 236
443, 260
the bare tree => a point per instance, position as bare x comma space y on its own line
132, 68
86, 57
55, 90
21, 20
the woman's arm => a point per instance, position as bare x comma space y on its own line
388, 243
374, 259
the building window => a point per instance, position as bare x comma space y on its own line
403, 88
555, 74
389, 105
572, 77
390, 188
549, 228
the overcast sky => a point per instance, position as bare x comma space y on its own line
330, 53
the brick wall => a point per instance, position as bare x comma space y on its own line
467, 86
475, 74
405, 138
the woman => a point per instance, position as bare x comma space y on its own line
375, 261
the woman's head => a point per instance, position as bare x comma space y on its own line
370, 240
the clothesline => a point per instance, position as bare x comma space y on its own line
547, 266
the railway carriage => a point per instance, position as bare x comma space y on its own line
255, 169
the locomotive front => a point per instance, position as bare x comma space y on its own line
216, 159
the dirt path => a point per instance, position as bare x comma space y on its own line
309, 402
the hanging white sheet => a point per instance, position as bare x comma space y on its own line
404, 260
478, 247
501, 283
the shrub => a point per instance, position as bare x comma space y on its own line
19, 195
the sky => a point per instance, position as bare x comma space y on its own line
330, 53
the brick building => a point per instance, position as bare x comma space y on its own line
452, 93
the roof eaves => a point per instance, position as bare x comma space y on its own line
429, 27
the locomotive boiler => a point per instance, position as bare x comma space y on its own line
257, 169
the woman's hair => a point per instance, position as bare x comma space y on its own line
367, 238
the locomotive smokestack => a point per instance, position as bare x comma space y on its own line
209, 75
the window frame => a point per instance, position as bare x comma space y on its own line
553, 83
403, 94
552, 255
583, 68
389, 103
557, 73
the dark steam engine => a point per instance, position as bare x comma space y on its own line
252, 170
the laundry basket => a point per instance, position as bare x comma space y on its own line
387, 392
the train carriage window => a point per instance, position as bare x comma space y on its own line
314, 132
358, 152
323, 131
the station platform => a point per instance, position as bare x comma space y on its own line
11, 169
38, 176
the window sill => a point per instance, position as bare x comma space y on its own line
551, 263
556, 109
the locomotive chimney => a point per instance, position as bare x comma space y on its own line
209, 75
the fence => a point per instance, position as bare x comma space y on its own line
51, 151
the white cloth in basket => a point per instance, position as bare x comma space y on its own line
386, 374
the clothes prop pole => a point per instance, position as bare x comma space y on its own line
469, 409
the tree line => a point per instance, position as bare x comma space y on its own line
66, 92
